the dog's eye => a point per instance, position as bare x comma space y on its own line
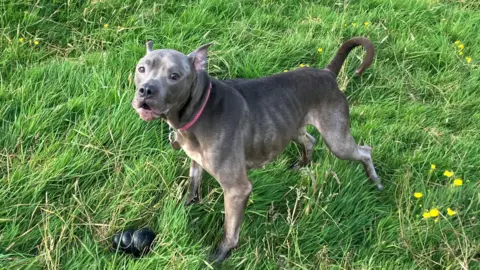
141, 69
174, 76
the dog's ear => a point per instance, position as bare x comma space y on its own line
149, 46
199, 57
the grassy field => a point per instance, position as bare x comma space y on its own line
77, 164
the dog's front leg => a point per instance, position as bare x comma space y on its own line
195, 178
237, 189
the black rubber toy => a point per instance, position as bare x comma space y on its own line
133, 242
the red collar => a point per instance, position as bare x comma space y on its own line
189, 124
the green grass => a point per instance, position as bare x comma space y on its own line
77, 164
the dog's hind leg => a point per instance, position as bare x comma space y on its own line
333, 122
307, 143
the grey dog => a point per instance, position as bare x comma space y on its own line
227, 127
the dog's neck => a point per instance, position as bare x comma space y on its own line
197, 97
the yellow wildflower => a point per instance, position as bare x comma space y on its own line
286, 70
105, 25
433, 167
302, 65
434, 212
320, 50
461, 46
426, 215
457, 42
448, 173
450, 212
418, 195
460, 53
469, 59
21, 40
457, 182
366, 24
36, 42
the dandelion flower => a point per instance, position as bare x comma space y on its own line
21, 40
286, 70
36, 42
366, 24
433, 167
105, 25
457, 42
448, 173
426, 215
450, 212
457, 182
434, 212
418, 195
469, 59
461, 46
320, 50
460, 53
302, 65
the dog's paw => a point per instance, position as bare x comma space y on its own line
299, 164
295, 166
377, 183
380, 186
220, 254
191, 200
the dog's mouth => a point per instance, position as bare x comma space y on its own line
145, 106
147, 113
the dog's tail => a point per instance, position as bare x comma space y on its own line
336, 64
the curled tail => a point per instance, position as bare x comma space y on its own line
336, 64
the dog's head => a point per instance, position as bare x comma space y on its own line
164, 80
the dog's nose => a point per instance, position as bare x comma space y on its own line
147, 91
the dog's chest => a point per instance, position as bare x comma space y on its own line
193, 153
191, 149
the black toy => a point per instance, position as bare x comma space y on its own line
136, 242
